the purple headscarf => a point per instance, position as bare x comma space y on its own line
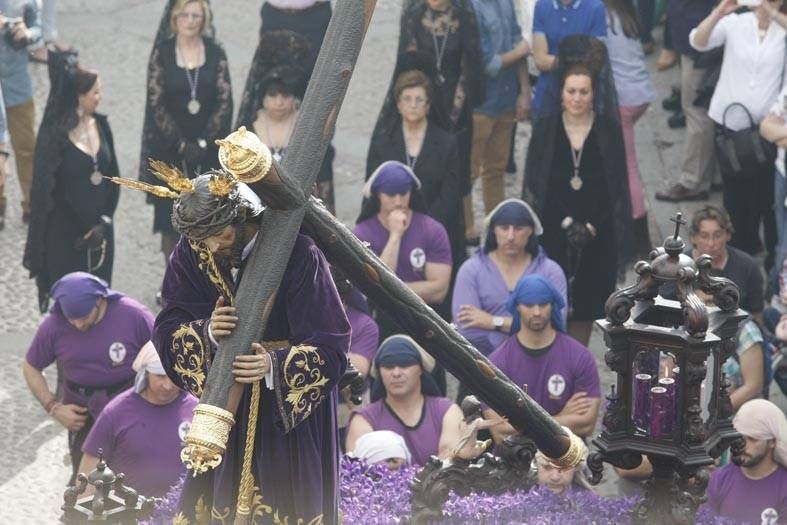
75, 294
392, 178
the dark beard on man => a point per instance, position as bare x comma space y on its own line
233, 257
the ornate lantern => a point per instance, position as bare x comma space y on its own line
112, 502
670, 402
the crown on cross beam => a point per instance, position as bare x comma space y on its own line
243, 155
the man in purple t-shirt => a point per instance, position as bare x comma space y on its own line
557, 371
410, 243
139, 433
406, 400
94, 334
753, 489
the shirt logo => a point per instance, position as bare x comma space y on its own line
183, 429
769, 517
556, 385
117, 353
418, 258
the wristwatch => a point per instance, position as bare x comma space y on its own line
497, 323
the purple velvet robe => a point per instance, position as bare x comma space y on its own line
296, 448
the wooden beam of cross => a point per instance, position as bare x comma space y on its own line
284, 190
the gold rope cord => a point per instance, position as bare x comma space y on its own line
246, 487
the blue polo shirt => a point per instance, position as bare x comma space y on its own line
556, 20
499, 33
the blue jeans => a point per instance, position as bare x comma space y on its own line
779, 210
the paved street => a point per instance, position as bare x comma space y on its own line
114, 37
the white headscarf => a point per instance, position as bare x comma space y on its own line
381, 445
761, 419
147, 360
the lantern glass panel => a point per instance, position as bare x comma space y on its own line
706, 389
654, 387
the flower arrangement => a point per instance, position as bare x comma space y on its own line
375, 495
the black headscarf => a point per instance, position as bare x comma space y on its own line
591, 54
412, 14
60, 117
281, 57
389, 120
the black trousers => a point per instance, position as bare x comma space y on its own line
75, 441
748, 198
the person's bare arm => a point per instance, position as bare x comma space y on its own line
580, 414
87, 465
644, 470
751, 370
435, 287
360, 363
544, 61
451, 431
71, 416
358, 427
773, 128
501, 430
702, 33
517, 53
390, 254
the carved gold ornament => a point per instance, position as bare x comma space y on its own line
207, 438
171, 175
576, 453
243, 155
158, 191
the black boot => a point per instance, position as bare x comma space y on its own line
672, 102
677, 120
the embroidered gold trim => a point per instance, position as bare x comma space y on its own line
190, 357
305, 384
207, 438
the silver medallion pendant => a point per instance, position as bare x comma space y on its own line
575, 183
193, 106
96, 178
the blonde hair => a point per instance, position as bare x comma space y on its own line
178, 8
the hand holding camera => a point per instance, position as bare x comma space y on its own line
578, 234
15, 31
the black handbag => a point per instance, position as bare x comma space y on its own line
743, 151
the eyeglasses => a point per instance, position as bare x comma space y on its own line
190, 16
413, 101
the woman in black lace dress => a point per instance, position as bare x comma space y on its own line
446, 31
73, 203
189, 101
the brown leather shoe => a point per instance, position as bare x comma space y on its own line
679, 192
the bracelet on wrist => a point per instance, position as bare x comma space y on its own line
51, 406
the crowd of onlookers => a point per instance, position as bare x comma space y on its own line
466, 72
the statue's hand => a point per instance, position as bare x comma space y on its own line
250, 368
222, 320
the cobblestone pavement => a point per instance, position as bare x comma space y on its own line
114, 37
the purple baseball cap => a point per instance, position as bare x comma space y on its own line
75, 294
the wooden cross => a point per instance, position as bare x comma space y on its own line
285, 190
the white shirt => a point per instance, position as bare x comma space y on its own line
752, 70
525, 10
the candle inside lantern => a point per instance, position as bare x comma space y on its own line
658, 412
668, 384
642, 401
